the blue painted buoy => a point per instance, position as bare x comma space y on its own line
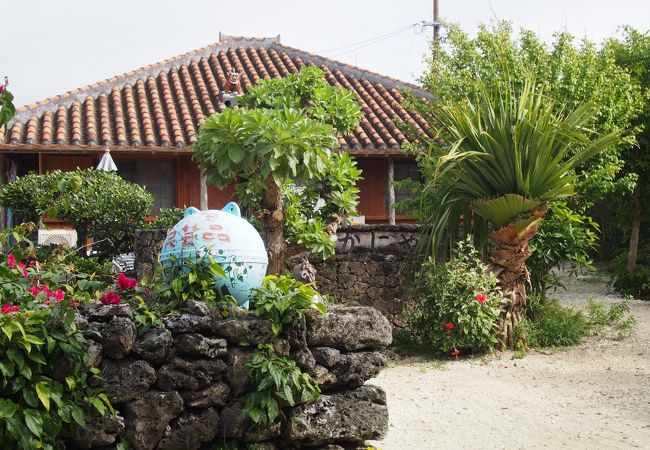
232, 241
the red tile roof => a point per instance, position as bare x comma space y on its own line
159, 107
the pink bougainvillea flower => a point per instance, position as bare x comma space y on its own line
35, 290
32, 263
2, 88
8, 307
481, 298
449, 326
58, 295
125, 283
11, 260
23, 268
455, 352
110, 298
46, 302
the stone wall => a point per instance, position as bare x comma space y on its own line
181, 387
373, 265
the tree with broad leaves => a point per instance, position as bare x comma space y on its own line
278, 149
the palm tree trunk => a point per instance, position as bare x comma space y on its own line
509, 251
271, 217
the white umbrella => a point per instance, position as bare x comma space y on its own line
106, 163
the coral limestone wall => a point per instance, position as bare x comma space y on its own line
181, 386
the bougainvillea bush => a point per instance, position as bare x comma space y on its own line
42, 353
458, 305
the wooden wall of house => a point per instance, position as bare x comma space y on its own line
372, 198
373, 187
189, 187
66, 162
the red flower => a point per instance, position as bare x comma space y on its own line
7, 308
449, 326
481, 298
2, 88
110, 298
35, 290
124, 282
11, 259
455, 352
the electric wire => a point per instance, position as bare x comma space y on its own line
389, 34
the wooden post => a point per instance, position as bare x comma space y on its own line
204, 192
391, 192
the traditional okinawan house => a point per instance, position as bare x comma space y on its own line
148, 119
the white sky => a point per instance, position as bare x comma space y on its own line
53, 46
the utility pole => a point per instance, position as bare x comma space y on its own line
436, 24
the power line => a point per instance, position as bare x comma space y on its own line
357, 45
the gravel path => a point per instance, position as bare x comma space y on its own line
593, 396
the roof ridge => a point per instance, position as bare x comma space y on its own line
39, 107
369, 73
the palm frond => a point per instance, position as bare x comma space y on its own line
504, 152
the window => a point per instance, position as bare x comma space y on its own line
158, 176
405, 170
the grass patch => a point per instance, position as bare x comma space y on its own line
549, 324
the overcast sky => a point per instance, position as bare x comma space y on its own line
53, 46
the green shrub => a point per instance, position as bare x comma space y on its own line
637, 286
549, 324
284, 300
565, 237
98, 204
43, 387
458, 305
277, 382
617, 317
166, 218
193, 280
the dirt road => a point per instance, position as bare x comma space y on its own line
593, 396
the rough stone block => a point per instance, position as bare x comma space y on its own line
349, 328
198, 345
147, 418
124, 380
154, 345
353, 416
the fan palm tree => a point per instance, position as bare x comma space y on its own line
503, 155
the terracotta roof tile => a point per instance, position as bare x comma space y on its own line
161, 105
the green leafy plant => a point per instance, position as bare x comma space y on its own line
284, 136
564, 238
458, 305
617, 317
638, 284
277, 382
549, 324
284, 300
43, 387
189, 279
166, 218
100, 205
7, 108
